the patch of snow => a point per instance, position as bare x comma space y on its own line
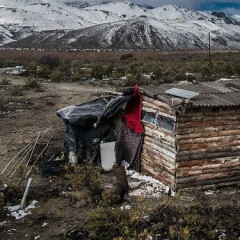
224, 79
237, 17
11, 231
141, 177
19, 213
222, 236
72, 40
146, 185
126, 207
3, 223
15, 70
209, 192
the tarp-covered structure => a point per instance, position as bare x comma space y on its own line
106, 119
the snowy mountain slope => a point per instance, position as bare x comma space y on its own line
138, 33
41, 16
44, 23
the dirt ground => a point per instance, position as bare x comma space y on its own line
26, 114
58, 214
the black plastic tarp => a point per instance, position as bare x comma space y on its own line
94, 121
88, 113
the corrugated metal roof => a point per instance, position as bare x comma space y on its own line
216, 87
178, 92
211, 94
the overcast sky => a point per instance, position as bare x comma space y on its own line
229, 7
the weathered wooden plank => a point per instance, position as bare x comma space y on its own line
209, 139
208, 185
159, 171
159, 166
204, 123
155, 152
159, 176
167, 141
159, 133
210, 153
206, 112
209, 177
161, 144
162, 140
194, 118
225, 161
214, 182
180, 172
159, 154
184, 131
149, 109
158, 103
207, 145
158, 158
147, 106
188, 157
155, 127
146, 159
204, 134
161, 150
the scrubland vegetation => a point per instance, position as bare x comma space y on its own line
77, 204
128, 68
103, 216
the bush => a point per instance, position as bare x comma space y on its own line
50, 61
3, 104
11, 194
32, 83
16, 91
43, 72
2, 205
126, 56
5, 82
97, 72
88, 176
107, 222
31, 69
57, 76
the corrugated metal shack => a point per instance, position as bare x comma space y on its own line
192, 134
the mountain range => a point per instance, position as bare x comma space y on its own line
113, 25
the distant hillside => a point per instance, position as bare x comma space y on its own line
116, 25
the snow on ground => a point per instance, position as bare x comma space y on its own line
142, 185
3, 223
19, 213
15, 70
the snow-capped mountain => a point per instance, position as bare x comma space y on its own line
116, 25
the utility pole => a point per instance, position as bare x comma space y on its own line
209, 47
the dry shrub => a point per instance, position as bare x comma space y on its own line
32, 83
87, 176
3, 103
16, 91
125, 222
2, 204
5, 81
